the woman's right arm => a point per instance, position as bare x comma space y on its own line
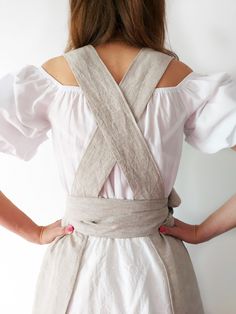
220, 221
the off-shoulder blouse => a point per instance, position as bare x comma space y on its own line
35, 107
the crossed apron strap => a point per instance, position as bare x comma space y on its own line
116, 109
117, 138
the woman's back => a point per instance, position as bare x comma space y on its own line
119, 145
174, 110
201, 106
117, 58
81, 133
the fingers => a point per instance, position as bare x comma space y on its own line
68, 229
173, 231
57, 231
180, 230
50, 232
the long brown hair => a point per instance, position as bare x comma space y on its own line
141, 23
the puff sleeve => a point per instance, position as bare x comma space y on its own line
25, 100
210, 101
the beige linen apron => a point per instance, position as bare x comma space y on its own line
118, 139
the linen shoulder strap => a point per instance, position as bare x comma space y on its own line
117, 109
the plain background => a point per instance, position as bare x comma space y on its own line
201, 33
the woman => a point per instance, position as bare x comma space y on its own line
89, 271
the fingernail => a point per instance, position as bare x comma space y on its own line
70, 228
162, 229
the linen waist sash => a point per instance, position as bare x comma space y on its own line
116, 218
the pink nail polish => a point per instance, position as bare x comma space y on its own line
70, 228
162, 229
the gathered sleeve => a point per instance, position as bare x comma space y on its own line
25, 100
210, 102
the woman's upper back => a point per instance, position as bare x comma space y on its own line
36, 99
117, 57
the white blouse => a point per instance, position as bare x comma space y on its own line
201, 109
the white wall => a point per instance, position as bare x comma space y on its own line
201, 33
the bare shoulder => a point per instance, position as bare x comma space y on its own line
174, 74
59, 69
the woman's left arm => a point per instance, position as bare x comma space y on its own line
13, 219
220, 221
